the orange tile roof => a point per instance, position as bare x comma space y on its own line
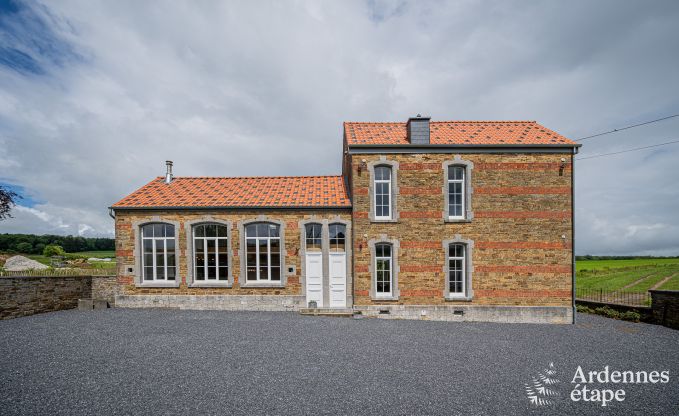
246, 192
457, 132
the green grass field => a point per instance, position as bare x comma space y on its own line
638, 275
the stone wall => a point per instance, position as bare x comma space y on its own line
127, 249
665, 306
520, 228
23, 296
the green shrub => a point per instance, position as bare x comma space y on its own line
608, 312
631, 316
24, 248
53, 250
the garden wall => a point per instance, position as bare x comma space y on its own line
28, 295
665, 305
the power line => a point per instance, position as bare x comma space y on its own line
625, 128
628, 150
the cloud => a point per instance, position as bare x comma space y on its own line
252, 88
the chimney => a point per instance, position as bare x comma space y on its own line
418, 130
168, 174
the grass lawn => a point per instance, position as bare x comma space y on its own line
672, 284
615, 274
98, 254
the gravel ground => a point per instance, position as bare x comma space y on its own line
124, 361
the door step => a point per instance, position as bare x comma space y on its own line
343, 312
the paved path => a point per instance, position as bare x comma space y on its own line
208, 362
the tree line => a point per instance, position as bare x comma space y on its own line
35, 244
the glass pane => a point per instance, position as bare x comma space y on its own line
170, 272
160, 273
382, 172
158, 230
211, 259
211, 273
273, 230
275, 273
222, 231
168, 230
251, 259
275, 259
200, 273
223, 273
251, 230
170, 259
210, 230
455, 173
148, 273
147, 231
262, 230
199, 231
223, 253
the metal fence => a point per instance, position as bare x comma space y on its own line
620, 297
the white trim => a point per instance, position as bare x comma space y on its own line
154, 254
389, 192
390, 269
206, 280
462, 192
463, 270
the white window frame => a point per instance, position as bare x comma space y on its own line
268, 255
336, 248
389, 193
390, 269
205, 266
462, 188
463, 293
154, 252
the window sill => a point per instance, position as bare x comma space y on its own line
171, 284
225, 283
457, 220
262, 284
392, 221
383, 298
458, 298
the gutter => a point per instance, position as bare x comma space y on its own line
461, 148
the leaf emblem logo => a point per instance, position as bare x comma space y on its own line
538, 390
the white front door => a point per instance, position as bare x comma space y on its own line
314, 278
338, 280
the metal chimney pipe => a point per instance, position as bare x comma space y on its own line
168, 174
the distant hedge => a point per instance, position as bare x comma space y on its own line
590, 257
35, 244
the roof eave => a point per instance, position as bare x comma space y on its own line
241, 207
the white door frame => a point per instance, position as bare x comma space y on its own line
314, 277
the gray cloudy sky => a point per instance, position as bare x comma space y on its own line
96, 95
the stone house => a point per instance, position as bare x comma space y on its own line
449, 220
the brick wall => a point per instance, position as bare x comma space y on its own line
125, 247
522, 208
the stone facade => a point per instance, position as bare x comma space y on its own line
520, 229
235, 295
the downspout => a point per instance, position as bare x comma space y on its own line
575, 151
111, 214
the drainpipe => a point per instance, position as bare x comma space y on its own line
111, 213
575, 152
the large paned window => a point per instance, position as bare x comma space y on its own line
456, 192
337, 237
383, 269
263, 258
313, 237
211, 253
382, 190
158, 256
456, 270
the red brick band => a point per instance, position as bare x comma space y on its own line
362, 292
415, 268
361, 269
524, 190
420, 166
361, 191
522, 214
536, 268
506, 293
546, 245
520, 166
422, 292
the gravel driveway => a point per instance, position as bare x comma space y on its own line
124, 361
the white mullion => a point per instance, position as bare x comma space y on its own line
268, 258
257, 259
153, 251
205, 272
216, 259
165, 258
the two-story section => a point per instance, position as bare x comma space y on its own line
469, 220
